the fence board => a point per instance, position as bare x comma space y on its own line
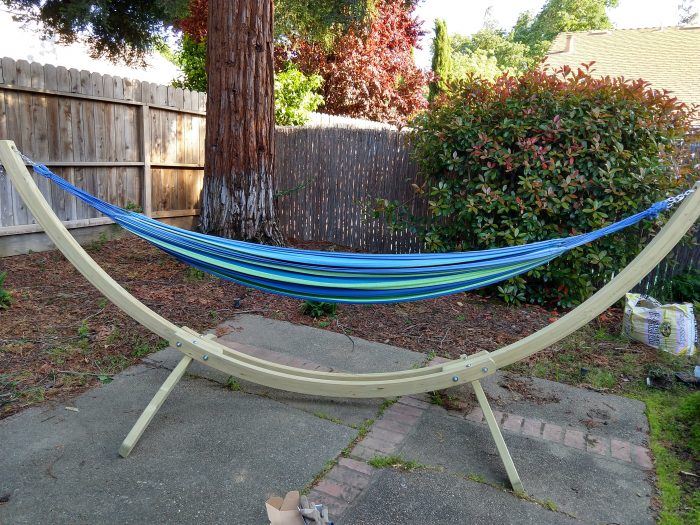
323, 173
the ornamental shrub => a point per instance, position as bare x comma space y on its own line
543, 156
296, 94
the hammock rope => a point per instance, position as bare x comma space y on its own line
345, 277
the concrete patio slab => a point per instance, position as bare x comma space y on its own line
213, 455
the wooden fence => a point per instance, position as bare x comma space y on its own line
131, 142
326, 176
134, 142
123, 140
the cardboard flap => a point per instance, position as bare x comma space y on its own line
291, 501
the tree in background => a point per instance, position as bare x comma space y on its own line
296, 94
116, 30
557, 16
370, 71
237, 195
488, 54
687, 15
442, 60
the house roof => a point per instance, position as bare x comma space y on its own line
668, 57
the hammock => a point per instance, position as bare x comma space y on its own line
232, 359
343, 277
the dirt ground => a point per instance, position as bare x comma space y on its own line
60, 336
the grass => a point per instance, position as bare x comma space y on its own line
5, 296
193, 275
394, 461
605, 361
328, 417
143, 347
674, 424
233, 384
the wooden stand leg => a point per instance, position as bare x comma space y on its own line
498, 438
147, 415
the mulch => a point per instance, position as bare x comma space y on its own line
60, 336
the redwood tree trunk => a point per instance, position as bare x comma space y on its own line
237, 196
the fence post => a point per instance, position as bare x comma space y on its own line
146, 156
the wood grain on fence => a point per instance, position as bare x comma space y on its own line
125, 141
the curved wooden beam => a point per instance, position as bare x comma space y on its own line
386, 384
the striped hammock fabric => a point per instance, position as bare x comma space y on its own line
343, 277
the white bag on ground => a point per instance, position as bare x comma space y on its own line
668, 327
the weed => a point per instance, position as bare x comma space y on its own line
143, 347
193, 274
601, 378
102, 303
59, 354
323, 324
550, 505
394, 461
328, 417
364, 428
430, 356
317, 309
132, 206
386, 404
320, 475
478, 478
112, 364
97, 244
213, 314
233, 384
83, 330
461, 317
34, 394
5, 296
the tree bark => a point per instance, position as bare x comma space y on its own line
237, 195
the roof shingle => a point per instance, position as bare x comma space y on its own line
668, 58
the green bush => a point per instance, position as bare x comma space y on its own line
685, 287
296, 94
5, 297
544, 156
318, 309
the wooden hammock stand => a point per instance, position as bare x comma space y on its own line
471, 369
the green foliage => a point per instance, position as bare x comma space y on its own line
317, 309
396, 462
233, 384
442, 59
5, 296
689, 415
556, 16
488, 54
320, 20
191, 58
83, 330
117, 29
193, 275
685, 287
674, 428
296, 94
539, 157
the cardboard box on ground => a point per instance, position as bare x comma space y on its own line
284, 511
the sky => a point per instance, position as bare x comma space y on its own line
462, 16
467, 16
19, 43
